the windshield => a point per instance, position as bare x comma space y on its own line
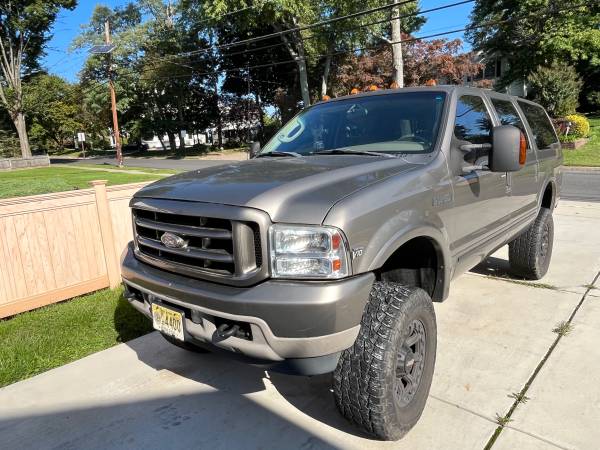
394, 123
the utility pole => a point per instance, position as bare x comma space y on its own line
113, 98
397, 62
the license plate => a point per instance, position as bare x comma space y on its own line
167, 321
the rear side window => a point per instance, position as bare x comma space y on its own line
473, 123
508, 115
543, 131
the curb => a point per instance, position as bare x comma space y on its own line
579, 169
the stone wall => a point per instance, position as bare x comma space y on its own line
23, 163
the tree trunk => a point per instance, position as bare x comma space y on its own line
297, 53
325, 76
172, 142
303, 80
181, 122
397, 63
261, 117
181, 142
19, 121
162, 142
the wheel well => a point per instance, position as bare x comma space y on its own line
548, 198
419, 263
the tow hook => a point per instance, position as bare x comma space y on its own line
226, 330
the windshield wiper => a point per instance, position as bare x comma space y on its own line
341, 151
275, 153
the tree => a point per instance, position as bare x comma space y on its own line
438, 59
314, 50
158, 91
533, 33
556, 88
24, 31
53, 108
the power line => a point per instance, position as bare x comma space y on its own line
313, 36
354, 50
292, 30
358, 49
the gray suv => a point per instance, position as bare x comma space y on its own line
324, 252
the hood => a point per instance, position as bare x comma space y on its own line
294, 190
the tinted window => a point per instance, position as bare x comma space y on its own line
508, 114
473, 122
543, 131
394, 123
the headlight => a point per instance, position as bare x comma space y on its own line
308, 252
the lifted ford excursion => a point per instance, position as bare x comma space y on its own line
324, 252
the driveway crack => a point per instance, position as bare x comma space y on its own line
507, 417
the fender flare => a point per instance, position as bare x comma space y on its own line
551, 182
437, 238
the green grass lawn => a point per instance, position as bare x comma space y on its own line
17, 183
196, 150
110, 167
588, 155
39, 340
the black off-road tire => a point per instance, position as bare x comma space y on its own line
185, 345
368, 375
530, 253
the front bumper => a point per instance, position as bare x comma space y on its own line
305, 323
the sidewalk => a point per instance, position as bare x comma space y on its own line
495, 337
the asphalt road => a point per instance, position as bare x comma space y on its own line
580, 186
151, 163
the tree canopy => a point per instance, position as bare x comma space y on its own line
533, 33
199, 65
24, 31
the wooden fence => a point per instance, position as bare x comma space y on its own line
57, 246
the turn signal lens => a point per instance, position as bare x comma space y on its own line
522, 150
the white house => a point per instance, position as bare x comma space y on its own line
495, 67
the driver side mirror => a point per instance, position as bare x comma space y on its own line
253, 149
509, 149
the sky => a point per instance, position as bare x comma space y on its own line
60, 61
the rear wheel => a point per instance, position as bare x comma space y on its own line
382, 382
530, 253
185, 345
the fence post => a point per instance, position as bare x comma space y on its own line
106, 230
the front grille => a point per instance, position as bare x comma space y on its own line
214, 247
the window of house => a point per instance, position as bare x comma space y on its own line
542, 128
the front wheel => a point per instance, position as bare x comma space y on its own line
381, 383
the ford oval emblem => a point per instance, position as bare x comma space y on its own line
173, 241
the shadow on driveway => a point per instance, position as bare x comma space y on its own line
494, 267
187, 401
311, 396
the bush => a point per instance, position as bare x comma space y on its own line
556, 88
565, 138
580, 126
593, 99
9, 145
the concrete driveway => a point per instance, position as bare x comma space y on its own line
495, 338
